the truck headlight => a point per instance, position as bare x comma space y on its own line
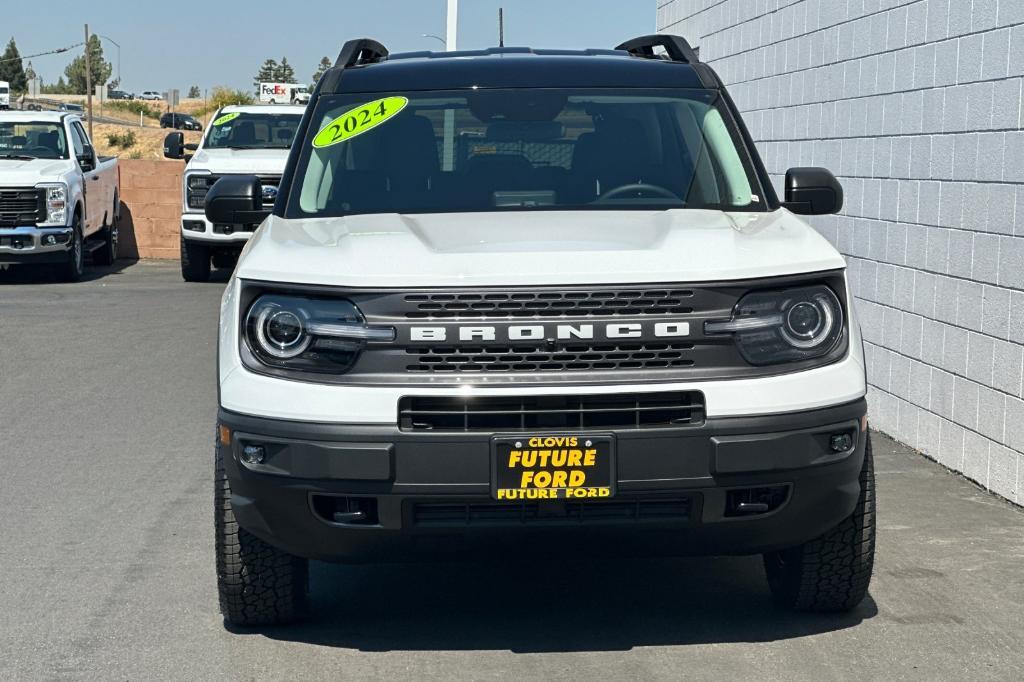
196, 187
307, 334
56, 199
789, 325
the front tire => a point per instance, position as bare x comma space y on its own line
832, 572
71, 270
195, 261
257, 583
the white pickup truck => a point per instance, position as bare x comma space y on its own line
240, 140
58, 199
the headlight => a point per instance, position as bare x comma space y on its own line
772, 327
196, 187
308, 334
56, 196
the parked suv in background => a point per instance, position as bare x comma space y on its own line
252, 139
180, 121
120, 94
536, 303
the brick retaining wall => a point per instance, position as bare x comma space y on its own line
150, 208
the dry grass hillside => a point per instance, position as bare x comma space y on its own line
148, 144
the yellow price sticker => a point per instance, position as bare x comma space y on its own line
227, 117
359, 120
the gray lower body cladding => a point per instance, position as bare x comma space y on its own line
679, 491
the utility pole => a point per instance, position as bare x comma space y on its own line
451, 44
501, 27
88, 80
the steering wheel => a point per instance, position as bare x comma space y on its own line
637, 187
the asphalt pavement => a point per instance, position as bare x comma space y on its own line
107, 408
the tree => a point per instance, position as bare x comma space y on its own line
285, 73
325, 63
266, 74
99, 68
193, 92
58, 88
11, 69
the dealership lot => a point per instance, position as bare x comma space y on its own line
109, 398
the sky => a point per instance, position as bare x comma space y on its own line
181, 43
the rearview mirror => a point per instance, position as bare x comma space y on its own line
87, 160
236, 200
174, 146
813, 191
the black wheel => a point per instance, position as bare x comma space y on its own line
831, 572
257, 583
107, 254
71, 269
195, 261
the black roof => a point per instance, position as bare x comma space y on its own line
512, 67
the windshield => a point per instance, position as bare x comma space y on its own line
3, 90
238, 130
32, 139
491, 150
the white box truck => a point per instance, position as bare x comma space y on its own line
283, 93
5, 95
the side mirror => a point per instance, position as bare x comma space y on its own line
174, 146
87, 160
813, 191
236, 200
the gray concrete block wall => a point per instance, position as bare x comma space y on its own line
917, 106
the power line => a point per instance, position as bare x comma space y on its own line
59, 50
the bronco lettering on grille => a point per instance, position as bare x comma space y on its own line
539, 332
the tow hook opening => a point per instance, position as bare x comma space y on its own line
755, 501
348, 511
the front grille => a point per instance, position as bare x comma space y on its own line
199, 186
533, 413
449, 514
21, 207
572, 358
551, 304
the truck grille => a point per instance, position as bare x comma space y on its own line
573, 358
532, 413
199, 186
603, 303
441, 514
21, 206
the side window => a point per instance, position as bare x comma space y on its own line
77, 139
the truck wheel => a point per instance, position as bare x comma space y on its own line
107, 254
195, 261
71, 270
831, 572
257, 583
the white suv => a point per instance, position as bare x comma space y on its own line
536, 303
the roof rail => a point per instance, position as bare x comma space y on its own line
360, 51
676, 47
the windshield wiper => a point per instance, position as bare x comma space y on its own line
19, 157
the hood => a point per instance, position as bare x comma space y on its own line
535, 248
18, 173
255, 161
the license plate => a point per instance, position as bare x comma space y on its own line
552, 467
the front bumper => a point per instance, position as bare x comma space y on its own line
428, 495
31, 244
195, 226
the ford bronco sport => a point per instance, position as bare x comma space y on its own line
536, 302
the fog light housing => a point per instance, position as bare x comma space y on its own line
50, 240
254, 454
840, 442
195, 226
